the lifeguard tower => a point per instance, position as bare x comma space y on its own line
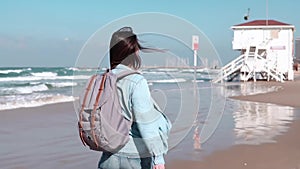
266, 52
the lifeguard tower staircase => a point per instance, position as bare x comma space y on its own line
252, 64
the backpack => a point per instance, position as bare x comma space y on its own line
101, 124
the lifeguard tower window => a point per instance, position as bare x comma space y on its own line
252, 51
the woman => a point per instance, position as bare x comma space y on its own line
150, 128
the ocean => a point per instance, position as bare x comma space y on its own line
36, 86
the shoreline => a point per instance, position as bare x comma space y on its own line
287, 95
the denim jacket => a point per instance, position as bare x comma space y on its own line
150, 128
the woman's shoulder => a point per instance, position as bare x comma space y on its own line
136, 77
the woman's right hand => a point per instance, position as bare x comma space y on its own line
159, 166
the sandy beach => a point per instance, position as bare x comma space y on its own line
46, 137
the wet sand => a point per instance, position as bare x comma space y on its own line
43, 137
283, 154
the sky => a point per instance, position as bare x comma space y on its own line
52, 32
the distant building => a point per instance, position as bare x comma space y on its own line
266, 48
177, 62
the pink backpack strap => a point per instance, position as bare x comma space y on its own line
83, 106
101, 88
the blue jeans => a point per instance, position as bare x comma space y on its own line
111, 161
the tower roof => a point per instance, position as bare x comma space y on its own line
263, 23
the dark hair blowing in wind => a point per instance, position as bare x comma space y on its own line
124, 47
